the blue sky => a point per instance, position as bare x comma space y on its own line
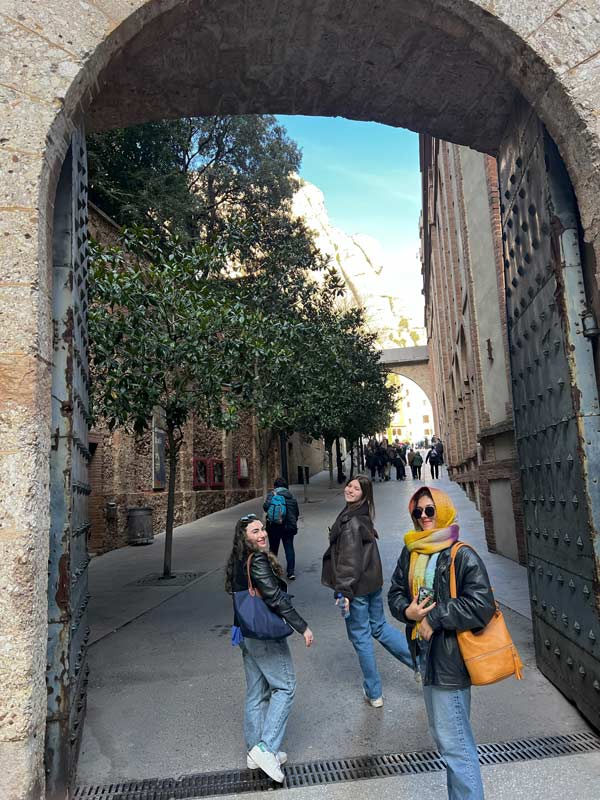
369, 174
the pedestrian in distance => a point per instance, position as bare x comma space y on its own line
381, 456
439, 446
371, 461
433, 460
282, 522
352, 568
270, 675
391, 460
417, 464
399, 462
419, 596
410, 458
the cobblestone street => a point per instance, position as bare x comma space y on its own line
166, 687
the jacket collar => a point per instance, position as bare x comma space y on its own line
361, 511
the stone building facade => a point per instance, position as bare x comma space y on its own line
465, 313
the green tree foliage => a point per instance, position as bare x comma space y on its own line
221, 301
156, 323
191, 176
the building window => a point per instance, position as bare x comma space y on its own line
425, 417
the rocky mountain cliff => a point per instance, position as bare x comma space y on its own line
370, 281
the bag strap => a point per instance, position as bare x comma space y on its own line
251, 588
455, 548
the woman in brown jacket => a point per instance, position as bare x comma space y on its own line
352, 568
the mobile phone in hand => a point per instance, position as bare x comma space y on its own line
425, 592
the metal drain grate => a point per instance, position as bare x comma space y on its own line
314, 773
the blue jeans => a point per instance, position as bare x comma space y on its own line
367, 622
270, 689
277, 534
449, 711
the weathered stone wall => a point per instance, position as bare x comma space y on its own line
449, 67
121, 473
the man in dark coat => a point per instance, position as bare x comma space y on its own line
284, 531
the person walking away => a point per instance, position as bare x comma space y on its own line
419, 596
282, 522
439, 446
417, 464
410, 457
371, 461
399, 463
434, 462
352, 568
391, 460
270, 675
381, 459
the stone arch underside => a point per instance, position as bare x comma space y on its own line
452, 68
412, 363
421, 374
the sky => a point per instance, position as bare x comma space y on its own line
369, 175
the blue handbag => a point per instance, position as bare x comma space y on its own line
255, 618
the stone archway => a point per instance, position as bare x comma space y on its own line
413, 363
453, 68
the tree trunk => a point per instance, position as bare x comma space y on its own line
170, 502
330, 462
265, 438
351, 460
338, 459
304, 481
361, 453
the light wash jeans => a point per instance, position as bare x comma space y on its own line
449, 715
270, 689
367, 622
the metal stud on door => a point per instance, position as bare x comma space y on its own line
555, 402
68, 631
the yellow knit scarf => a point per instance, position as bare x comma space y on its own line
422, 544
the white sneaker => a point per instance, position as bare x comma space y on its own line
251, 763
376, 702
267, 761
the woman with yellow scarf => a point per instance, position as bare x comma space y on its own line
420, 597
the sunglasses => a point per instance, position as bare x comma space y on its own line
429, 512
248, 518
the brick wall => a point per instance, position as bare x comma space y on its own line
474, 456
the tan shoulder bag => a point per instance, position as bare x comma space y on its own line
489, 655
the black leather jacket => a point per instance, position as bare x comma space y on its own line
351, 564
272, 589
471, 610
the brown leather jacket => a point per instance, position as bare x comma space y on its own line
351, 564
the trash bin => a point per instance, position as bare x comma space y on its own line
139, 526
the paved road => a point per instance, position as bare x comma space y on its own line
166, 687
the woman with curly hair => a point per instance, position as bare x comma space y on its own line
270, 676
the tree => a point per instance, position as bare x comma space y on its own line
156, 323
191, 176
